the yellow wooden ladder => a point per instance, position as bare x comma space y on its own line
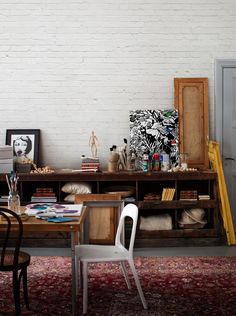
216, 165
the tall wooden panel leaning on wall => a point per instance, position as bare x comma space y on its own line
191, 101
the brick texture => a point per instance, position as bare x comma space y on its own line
70, 67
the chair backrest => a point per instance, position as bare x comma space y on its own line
130, 210
12, 231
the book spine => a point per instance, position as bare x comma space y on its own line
43, 200
41, 194
44, 189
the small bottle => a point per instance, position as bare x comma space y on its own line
164, 162
150, 162
14, 202
145, 162
156, 162
132, 162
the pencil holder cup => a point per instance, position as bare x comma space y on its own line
14, 202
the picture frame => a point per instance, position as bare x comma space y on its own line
191, 101
25, 143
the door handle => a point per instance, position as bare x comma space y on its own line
229, 158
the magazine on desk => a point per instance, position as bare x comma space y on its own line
53, 210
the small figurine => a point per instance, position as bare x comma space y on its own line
123, 161
93, 143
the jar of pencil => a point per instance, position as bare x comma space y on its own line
14, 202
13, 198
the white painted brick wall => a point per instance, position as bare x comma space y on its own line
69, 67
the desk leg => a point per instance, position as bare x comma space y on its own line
74, 241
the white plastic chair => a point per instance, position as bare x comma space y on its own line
103, 253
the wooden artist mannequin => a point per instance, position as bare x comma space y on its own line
93, 142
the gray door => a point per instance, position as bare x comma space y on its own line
227, 100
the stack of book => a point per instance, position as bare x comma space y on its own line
204, 197
4, 198
167, 194
190, 195
44, 195
151, 196
90, 164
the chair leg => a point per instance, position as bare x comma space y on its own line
123, 268
85, 287
78, 275
25, 287
16, 292
138, 285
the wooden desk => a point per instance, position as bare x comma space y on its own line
76, 230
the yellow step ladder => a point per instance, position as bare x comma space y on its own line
216, 165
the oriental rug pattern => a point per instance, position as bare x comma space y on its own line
175, 286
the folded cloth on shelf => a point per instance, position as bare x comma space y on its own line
70, 198
193, 216
156, 222
76, 188
73, 188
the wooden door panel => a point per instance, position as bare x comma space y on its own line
191, 101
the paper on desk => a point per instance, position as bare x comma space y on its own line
39, 208
71, 210
31, 212
63, 210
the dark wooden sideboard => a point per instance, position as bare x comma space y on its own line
204, 182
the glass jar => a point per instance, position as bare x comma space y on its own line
183, 161
14, 202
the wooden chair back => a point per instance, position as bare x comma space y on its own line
11, 258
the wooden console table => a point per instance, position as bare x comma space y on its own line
204, 182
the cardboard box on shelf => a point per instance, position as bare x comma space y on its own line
6, 165
6, 152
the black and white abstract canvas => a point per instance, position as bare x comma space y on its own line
154, 131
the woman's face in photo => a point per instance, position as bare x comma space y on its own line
20, 146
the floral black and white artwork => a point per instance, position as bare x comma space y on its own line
154, 131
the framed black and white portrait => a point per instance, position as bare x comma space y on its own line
25, 143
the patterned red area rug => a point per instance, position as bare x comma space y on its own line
172, 286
